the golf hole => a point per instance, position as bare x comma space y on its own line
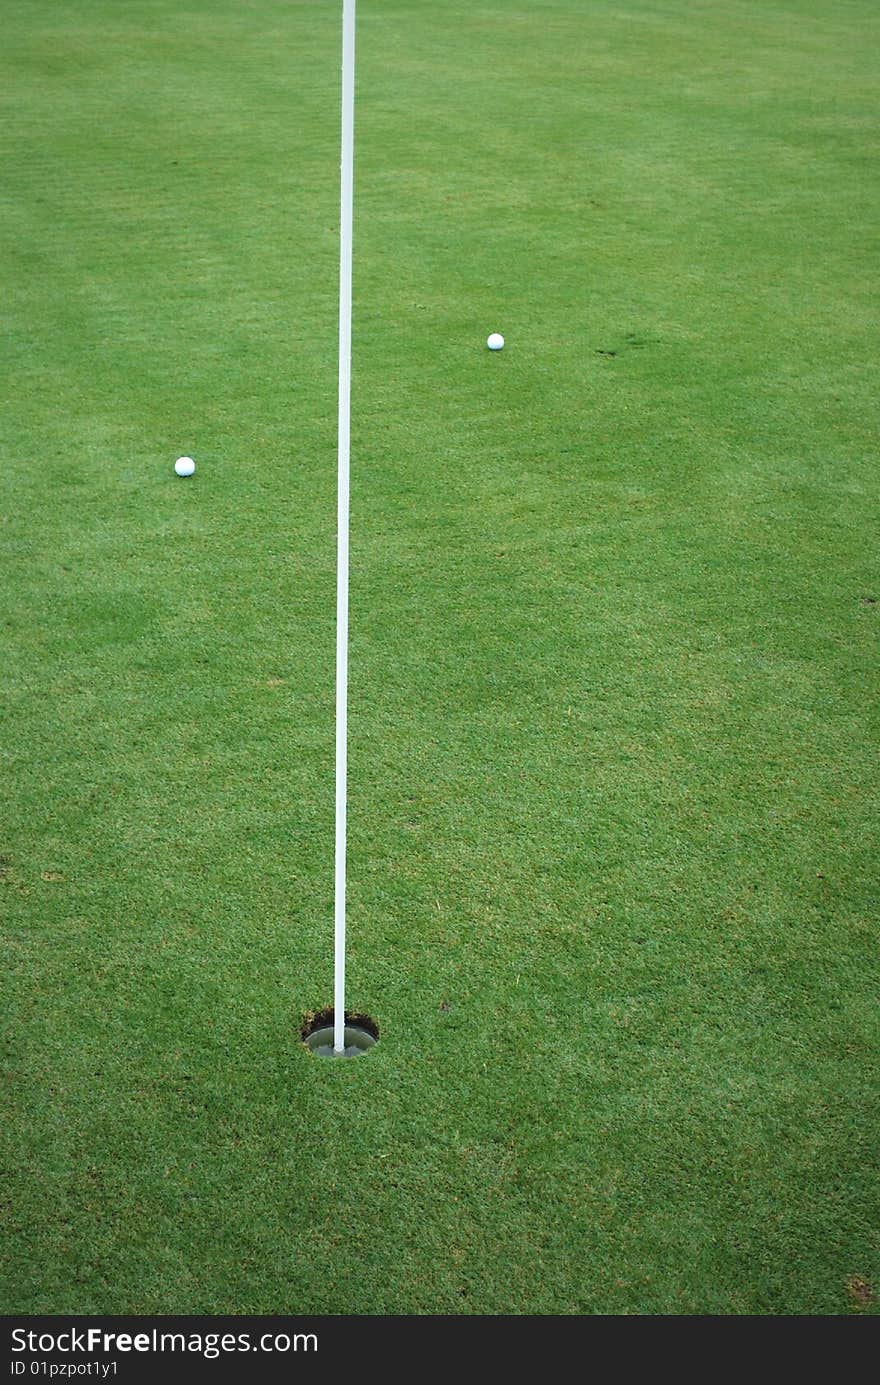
360, 1034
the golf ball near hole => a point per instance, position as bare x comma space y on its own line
184, 466
495, 342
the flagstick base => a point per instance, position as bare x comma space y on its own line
361, 1034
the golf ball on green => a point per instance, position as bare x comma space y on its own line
184, 466
495, 342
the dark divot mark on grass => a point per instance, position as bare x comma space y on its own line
859, 1290
869, 600
361, 1033
444, 1007
633, 341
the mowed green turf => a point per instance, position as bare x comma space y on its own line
613, 894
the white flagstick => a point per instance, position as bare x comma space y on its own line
345, 237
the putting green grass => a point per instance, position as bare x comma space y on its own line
615, 600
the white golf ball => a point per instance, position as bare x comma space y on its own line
184, 466
495, 342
